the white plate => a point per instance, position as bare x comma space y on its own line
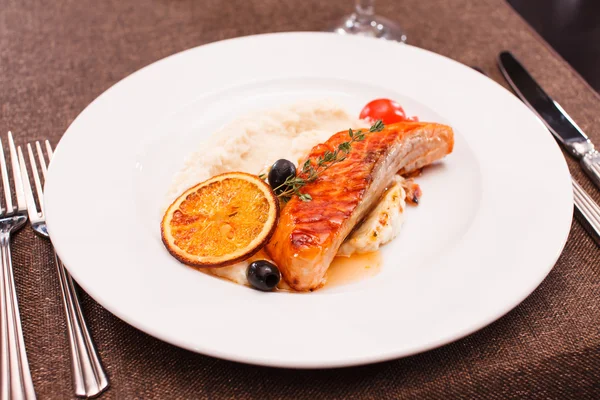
494, 217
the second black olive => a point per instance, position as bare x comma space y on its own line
280, 171
263, 275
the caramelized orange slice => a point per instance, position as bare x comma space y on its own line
221, 221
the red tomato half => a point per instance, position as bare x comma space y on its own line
384, 109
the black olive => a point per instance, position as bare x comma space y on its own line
280, 171
263, 275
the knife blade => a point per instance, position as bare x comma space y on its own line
556, 119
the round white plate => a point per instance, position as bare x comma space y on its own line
494, 216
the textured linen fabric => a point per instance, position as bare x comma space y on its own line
57, 56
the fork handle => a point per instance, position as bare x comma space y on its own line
89, 378
588, 212
15, 377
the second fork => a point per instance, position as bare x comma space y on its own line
89, 378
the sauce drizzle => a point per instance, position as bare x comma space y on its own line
357, 267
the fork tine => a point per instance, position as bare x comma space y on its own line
49, 151
16, 174
36, 177
5, 184
31, 209
40, 154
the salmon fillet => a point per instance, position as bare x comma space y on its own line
309, 234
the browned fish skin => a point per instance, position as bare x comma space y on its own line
309, 234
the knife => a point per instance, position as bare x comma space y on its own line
562, 126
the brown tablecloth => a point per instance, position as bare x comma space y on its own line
57, 56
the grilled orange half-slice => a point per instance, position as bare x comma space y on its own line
220, 221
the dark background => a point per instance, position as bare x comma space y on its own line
572, 27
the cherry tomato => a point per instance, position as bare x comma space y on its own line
384, 109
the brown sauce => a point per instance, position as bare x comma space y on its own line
357, 267
342, 271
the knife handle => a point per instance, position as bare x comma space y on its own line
591, 165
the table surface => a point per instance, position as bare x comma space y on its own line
56, 57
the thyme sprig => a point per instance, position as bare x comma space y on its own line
311, 173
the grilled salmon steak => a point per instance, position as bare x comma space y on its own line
309, 234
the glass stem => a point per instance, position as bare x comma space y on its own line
365, 10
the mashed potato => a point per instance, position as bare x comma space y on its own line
381, 225
255, 141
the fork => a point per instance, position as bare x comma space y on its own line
588, 212
89, 378
15, 377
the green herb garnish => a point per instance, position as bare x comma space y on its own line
311, 173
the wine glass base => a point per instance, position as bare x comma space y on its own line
376, 26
